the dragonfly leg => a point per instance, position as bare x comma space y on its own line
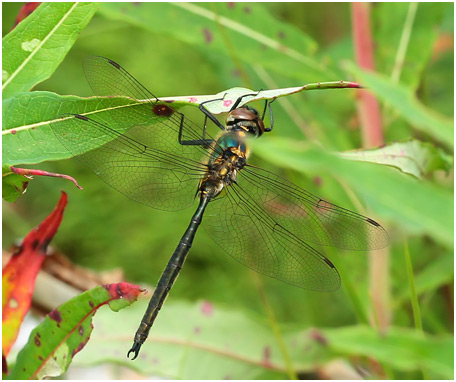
197, 142
193, 142
210, 115
271, 117
238, 101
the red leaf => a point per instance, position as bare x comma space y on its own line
26, 10
20, 273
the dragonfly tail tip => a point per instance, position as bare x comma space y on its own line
134, 349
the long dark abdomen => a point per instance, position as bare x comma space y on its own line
168, 277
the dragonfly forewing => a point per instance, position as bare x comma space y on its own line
143, 163
107, 78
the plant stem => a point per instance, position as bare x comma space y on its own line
414, 298
368, 107
403, 44
372, 135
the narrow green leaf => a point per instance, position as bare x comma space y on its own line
392, 28
224, 100
27, 136
35, 48
401, 348
412, 157
256, 35
404, 102
412, 287
66, 330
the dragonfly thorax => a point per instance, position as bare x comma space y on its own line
225, 162
245, 119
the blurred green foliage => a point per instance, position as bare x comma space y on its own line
175, 50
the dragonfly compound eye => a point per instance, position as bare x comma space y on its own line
245, 119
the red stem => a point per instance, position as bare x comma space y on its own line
28, 172
372, 135
368, 106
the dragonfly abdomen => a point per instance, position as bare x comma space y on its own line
168, 277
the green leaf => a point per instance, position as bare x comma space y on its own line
13, 185
256, 35
395, 196
404, 102
412, 157
26, 134
196, 341
65, 331
400, 348
35, 48
207, 341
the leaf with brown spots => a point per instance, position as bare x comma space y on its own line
66, 330
19, 274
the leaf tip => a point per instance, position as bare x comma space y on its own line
124, 291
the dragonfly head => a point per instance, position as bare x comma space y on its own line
245, 119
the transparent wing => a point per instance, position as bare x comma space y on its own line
248, 233
107, 78
309, 217
266, 222
144, 163
134, 146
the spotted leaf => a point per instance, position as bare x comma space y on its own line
66, 330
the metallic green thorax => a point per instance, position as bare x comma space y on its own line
226, 141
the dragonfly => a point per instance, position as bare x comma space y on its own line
153, 154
